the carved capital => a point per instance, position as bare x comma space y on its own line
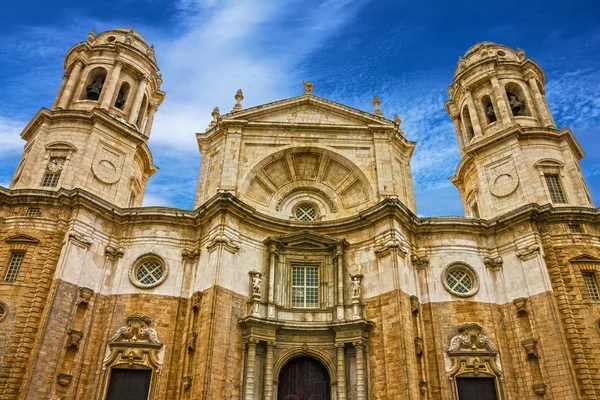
251, 342
271, 344
359, 344
64, 379
85, 295
114, 252
520, 304
529, 252
73, 338
530, 346
493, 262
190, 254
118, 63
340, 345
419, 262
222, 239
419, 346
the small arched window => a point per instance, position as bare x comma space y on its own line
466, 117
94, 84
122, 95
142, 114
516, 100
488, 107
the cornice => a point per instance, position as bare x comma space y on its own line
227, 203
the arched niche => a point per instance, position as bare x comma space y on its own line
94, 83
517, 101
468, 125
332, 182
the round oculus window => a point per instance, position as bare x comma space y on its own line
148, 272
305, 212
460, 280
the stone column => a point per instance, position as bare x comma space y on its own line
459, 135
250, 366
152, 108
269, 370
341, 371
65, 78
110, 86
137, 101
340, 283
505, 114
271, 291
73, 79
473, 113
361, 393
540, 103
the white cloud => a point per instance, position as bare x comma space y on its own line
10, 141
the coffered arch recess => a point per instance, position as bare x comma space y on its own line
319, 175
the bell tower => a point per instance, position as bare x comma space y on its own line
512, 154
95, 135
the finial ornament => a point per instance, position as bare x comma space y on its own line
308, 87
239, 96
461, 63
91, 36
397, 120
215, 114
150, 51
450, 91
129, 37
376, 103
520, 53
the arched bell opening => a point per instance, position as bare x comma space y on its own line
516, 100
488, 107
142, 113
468, 125
304, 378
122, 95
94, 84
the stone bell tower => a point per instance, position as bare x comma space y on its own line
512, 153
95, 136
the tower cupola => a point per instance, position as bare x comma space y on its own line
512, 153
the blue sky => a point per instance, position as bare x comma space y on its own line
403, 51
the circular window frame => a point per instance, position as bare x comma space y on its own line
6, 309
309, 203
466, 268
147, 257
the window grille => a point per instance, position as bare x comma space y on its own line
53, 171
306, 212
556, 193
33, 212
575, 228
305, 286
590, 282
14, 267
149, 272
459, 281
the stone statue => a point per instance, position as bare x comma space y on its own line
355, 280
308, 87
256, 281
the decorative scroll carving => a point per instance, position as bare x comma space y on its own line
190, 254
306, 189
80, 239
493, 262
231, 244
419, 262
472, 353
114, 252
393, 242
134, 344
529, 252
520, 304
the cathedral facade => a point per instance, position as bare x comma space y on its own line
303, 272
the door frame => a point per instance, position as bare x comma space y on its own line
314, 354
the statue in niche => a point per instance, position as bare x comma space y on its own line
356, 287
256, 281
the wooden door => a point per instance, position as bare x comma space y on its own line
129, 384
303, 378
476, 389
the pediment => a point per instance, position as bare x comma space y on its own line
584, 258
309, 110
306, 239
21, 239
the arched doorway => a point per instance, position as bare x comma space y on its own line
303, 378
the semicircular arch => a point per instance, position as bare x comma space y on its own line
318, 355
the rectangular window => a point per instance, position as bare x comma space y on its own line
305, 286
575, 228
556, 193
33, 212
590, 282
15, 266
53, 171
